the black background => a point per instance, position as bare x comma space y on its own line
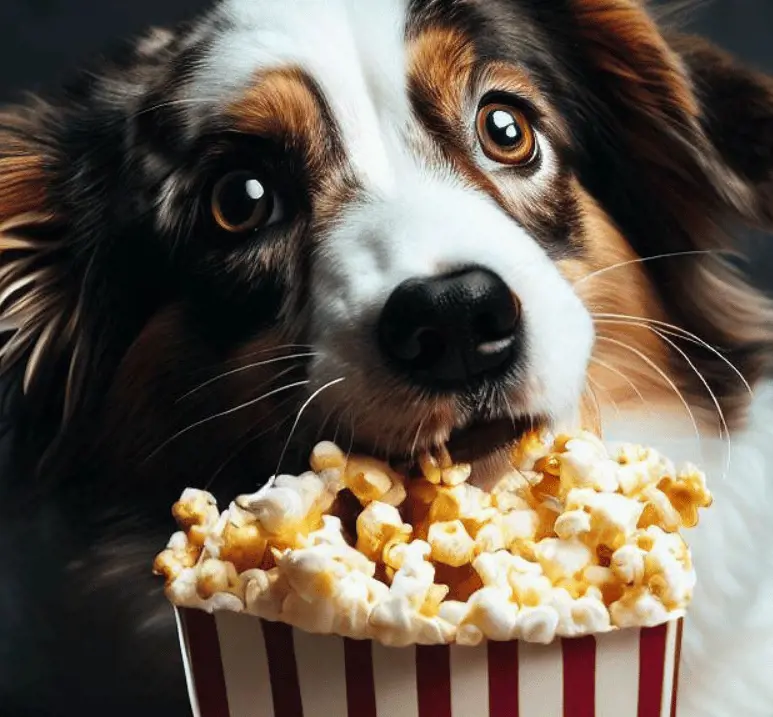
42, 40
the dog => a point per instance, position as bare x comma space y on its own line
396, 224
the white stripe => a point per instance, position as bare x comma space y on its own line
617, 673
394, 672
185, 650
469, 681
321, 674
541, 680
668, 674
245, 665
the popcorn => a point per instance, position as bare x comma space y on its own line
326, 456
687, 493
612, 517
288, 506
538, 624
451, 543
241, 541
571, 541
265, 592
581, 616
586, 464
179, 555
562, 559
638, 608
379, 528
370, 480
184, 591
196, 512
395, 624
492, 614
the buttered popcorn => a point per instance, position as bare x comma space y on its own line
574, 540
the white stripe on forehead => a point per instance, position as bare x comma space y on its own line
353, 49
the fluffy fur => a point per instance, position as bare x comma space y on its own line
151, 351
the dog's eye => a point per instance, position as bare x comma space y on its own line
242, 203
505, 134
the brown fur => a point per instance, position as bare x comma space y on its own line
282, 106
622, 375
664, 120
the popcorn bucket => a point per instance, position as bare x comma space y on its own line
238, 665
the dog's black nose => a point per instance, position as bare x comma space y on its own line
450, 331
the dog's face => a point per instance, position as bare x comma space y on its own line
409, 203
394, 223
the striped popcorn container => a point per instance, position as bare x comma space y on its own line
241, 666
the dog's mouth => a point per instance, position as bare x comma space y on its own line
476, 442
481, 439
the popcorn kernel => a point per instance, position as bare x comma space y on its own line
451, 543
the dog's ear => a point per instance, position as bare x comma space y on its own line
78, 272
736, 116
676, 142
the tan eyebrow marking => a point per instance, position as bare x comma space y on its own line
282, 105
441, 66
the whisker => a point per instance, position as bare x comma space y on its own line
248, 438
174, 103
647, 360
322, 426
416, 437
595, 386
595, 400
338, 427
678, 331
241, 369
351, 434
643, 260
724, 430
223, 414
625, 378
305, 405
252, 354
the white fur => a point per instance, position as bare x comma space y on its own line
728, 650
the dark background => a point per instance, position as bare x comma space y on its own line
42, 40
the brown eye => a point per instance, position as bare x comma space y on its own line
505, 135
241, 203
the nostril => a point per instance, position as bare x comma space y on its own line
422, 347
495, 325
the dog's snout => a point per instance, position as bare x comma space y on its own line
452, 330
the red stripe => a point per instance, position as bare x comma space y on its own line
207, 668
652, 664
678, 659
433, 680
280, 650
503, 678
579, 658
360, 687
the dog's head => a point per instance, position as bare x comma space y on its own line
400, 223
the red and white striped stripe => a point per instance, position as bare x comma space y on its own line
240, 666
